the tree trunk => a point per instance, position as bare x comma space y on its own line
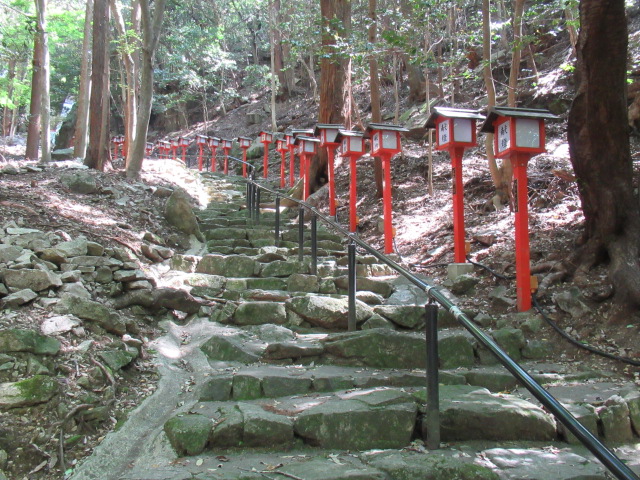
151, 28
45, 110
518, 9
275, 68
502, 187
598, 137
278, 53
33, 128
82, 120
335, 19
6, 110
376, 114
98, 150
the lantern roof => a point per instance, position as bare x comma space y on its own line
349, 133
244, 138
452, 113
326, 126
304, 138
227, 139
515, 112
384, 126
301, 131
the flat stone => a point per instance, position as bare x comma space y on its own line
73, 248
272, 333
405, 316
455, 349
354, 425
275, 386
33, 279
178, 212
59, 324
616, 423
472, 413
293, 350
9, 253
327, 312
324, 469
511, 340
586, 415
217, 389
281, 268
299, 282
91, 311
188, 434
117, 359
79, 181
380, 348
184, 263
256, 313
19, 340
18, 298
374, 285
31, 391
262, 428
229, 349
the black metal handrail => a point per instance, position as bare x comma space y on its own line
599, 450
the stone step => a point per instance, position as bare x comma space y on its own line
357, 419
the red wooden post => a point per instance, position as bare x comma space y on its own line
184, 143
226, 148
519, 135
266, 138
201, 140
213, 143
245, 143
385, 143
353, 147
292, 163
148, 149
281, 146
308, 148
328, 135
174, 149
455, 131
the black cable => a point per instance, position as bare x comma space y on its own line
575, 342
490, 270
555, 326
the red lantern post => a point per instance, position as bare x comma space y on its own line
519, 135
201, 141
174, 148
308, 148
328, 135
456, 131
353, 147
148, 149
385, 143
245, 143
226, 148
266, 138
296, 132
213, 143
184, 143
281, 147
289, 138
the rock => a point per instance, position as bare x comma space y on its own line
472, 413
272, 333
235, 266
511, 340
91, 311
77, 289
444, 466
9, 253
53, 255
184, 263
327, 312
17, 340
537, 349
73, 248
104, 275
19, 298
279, 268
117, 359
59, 324
463, 284
178, 212
616, 423
33, 279
501, 296
262, 428
162, 192
31, 391
228, 427
246, 387
299, 282
204, 284
323, 469
217, 389
380, 348
355, 425
79, 181
228, 349
377, 321
632, 398
95, 249
455, 349
293, 350
586, 415
188, 434
405, 316
256, 313
374, 285
572, 302
151, 253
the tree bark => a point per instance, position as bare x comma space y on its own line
335, 16
82, 120
33, 128
6, 110
598, 136
376, 114
151, 28
45, 109
98, 151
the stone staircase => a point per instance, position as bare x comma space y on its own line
273, 386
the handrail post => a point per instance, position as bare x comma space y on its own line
249, 199
301, 233
351, 250
433, 395
314, 244
277, 229
257, 205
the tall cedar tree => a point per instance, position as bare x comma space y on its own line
598, 135
336, 17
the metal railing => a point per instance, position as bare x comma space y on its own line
597, 448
